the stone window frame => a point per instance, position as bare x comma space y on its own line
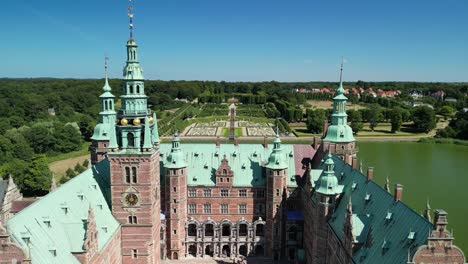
224, 192
192, 192
242, 208
243, 193
192, 208
207, 208
207, 193
224, 208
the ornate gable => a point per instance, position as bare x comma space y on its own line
224, 174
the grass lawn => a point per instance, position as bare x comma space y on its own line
237, 132
60, 163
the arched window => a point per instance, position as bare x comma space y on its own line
131, 89
138, 89
259, 230
242, 230
226, 230
127, 174
224, 171
192, 230
209, 230
131, 140
106, 105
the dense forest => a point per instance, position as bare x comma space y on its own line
46, 117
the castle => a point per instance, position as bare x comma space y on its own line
143, 201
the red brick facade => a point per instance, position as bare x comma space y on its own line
135, 197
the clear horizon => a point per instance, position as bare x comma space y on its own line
297, 41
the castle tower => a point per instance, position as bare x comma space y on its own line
326, 194
339, 136
104, 130
134, 167
176, 201
276, 173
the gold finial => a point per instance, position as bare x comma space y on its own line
130, 16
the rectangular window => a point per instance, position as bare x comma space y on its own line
192, 193
207, 193
192, 208
174, 210
242, 208
224, 193
260, 193
207, 208
277, 192
243, 193
134, 253
134, 175
224, 208
127, 174
132, 219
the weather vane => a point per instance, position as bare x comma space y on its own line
341, 71
106, 59
130, 16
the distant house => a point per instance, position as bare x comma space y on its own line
51, 111
439, 95
416, 95
9, 194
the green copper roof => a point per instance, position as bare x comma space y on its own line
381, 226
176, 159
277, 159
102, 131
155, 132
246, 161
56, 221
327, 183
339, 131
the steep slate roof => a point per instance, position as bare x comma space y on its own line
381, 225
246, 161
66, 232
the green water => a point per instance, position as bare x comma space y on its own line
437, 171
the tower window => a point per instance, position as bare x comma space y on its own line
127, 174
131, 89
132, 219
138, 89
277, 192
131, 140
174, 210
134, 253
174, 189
134, 175
106, 105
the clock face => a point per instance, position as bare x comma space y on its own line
131, 199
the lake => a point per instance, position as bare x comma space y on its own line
435, 171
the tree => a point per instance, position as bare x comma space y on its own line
79, 168
70, 173
356, 121
86, 163
315, 120
396, 119
375, 115
424, 118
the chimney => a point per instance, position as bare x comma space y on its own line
236, 141
398, 192
218, 142
370, 173
325, 127
354, 163
265, 142
315, 143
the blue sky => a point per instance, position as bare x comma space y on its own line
241, 40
